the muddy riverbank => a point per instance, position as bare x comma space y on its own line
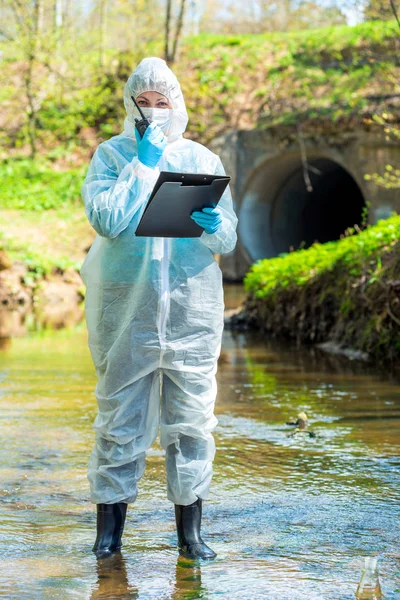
54, 300
342, 295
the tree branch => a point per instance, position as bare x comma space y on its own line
178, 30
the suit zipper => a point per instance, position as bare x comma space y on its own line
165, 290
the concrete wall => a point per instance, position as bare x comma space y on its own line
282, 205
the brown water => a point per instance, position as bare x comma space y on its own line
290, 517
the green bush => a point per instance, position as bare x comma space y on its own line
98, 105
268, 276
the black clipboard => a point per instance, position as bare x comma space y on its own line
174, 197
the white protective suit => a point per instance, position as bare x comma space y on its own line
154, 312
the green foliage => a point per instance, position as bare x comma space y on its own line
389, 180
268, 276
35, 185
99, 105
323, 73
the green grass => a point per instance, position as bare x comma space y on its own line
268, 276
35, 185
305, 46
48, 239
323, 73
39, 263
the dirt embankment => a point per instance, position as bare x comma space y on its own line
55, 300
40, 256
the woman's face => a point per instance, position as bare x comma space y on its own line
153, 100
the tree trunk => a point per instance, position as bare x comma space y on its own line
283, 12
57, 15
103, 30
33, 43
178, 31
38, 23
167, 29
194, 12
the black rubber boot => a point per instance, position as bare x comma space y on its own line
188, 523
110, 525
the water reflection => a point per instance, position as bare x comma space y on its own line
188, 582
112, 580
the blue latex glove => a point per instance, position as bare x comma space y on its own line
208, 218
151, 146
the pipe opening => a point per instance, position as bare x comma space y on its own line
279, 214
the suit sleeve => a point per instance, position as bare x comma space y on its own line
223, 240
113, 200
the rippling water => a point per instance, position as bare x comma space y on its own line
290, 517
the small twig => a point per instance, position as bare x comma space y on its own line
306, 175
314, 169
394, 12
382, 284
46, 64
391, 315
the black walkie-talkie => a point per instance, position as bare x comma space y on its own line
143, 123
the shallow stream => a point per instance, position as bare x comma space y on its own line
291, 517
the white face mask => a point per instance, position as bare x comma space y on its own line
162, 116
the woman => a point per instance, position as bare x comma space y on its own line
154, 310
